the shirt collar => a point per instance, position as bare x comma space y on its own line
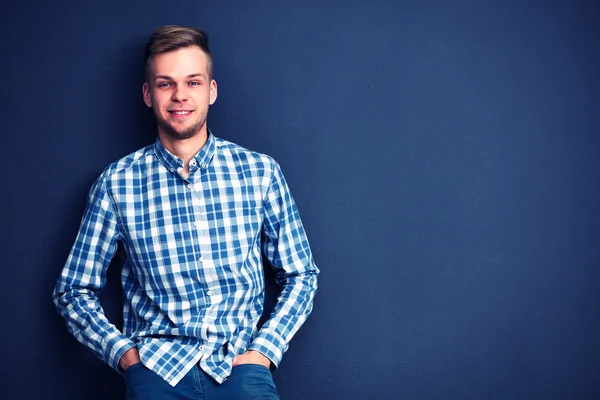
201, 160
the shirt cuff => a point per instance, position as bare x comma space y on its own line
269, 345
115, 346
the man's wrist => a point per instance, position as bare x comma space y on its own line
272, 348
129, 358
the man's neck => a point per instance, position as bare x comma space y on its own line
185, 149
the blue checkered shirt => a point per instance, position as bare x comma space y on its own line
193, 280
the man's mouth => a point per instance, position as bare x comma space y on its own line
180, 112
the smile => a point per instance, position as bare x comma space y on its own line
180, 112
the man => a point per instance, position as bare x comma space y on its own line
194, 214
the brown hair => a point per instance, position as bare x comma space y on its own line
173, 37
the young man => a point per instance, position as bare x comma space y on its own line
194, 214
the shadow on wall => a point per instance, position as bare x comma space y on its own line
133, 133
86, 373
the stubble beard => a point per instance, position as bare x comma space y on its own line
170, 130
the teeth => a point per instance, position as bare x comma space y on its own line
181, 112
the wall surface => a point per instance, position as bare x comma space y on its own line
444, 156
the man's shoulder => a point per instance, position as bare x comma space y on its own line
131, 160
236, 153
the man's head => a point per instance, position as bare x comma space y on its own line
179, 85
174, 37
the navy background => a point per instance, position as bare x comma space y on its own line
443, 155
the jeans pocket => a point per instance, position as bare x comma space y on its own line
133, 368
252, 365
253, 381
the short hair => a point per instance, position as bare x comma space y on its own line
174, 37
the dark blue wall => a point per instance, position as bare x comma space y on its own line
445, 159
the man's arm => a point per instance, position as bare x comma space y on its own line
286, 247
84, 275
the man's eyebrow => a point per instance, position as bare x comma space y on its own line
168, 78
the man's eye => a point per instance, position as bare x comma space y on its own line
194, 83
164, 84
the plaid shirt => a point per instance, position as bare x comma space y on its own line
193, 279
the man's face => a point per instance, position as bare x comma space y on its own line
179, 90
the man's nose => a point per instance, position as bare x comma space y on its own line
179, 94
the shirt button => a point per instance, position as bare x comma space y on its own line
203, 165
201, 348
191, 187
172, 169
193, 162
201, 259
209, 292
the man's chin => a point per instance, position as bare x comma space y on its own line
180, 134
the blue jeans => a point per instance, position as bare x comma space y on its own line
247, 382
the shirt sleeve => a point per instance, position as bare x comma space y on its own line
286, 247
84, 275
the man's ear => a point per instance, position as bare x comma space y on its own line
147, 96
214, 92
